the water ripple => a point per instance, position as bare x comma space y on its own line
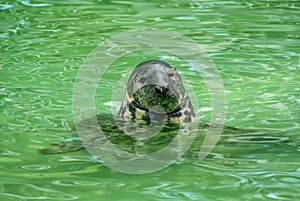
28, 3
25, 191
36, 167
6, 6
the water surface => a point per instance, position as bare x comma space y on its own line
255, 46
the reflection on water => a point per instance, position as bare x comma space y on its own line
255, 46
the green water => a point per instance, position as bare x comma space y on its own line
255, 46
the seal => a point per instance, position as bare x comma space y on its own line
155, 91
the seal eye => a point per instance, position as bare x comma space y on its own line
142, 80
170, 74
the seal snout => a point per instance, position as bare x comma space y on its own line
159, 90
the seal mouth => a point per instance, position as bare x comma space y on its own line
152, 95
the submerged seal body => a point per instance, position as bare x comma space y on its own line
155, 91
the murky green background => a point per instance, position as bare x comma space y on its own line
255, 46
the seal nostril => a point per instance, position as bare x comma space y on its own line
165, 90
158, 90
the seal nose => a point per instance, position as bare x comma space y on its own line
160, 90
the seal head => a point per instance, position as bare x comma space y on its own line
155, 89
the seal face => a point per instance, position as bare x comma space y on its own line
155, 91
